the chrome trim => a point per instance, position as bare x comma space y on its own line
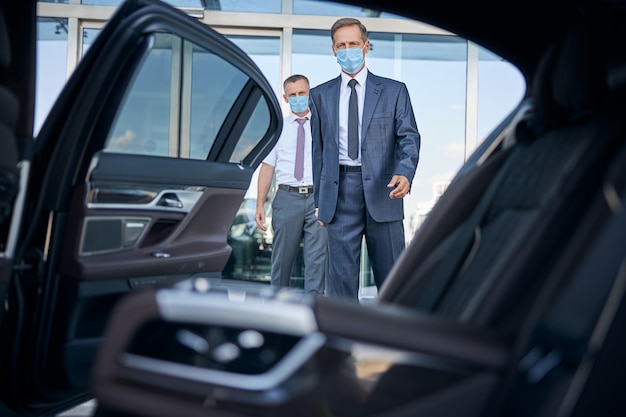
287, 366
18, 211
364, 353
187, 198
611, 196
280, 317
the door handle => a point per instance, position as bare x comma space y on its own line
170, 200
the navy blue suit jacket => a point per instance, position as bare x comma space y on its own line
390, 144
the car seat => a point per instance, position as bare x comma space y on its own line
486, 248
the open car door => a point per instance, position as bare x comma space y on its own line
134, 182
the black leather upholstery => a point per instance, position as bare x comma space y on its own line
486, 254
8, 117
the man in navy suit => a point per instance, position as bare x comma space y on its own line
359, 189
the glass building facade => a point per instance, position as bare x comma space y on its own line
459, 91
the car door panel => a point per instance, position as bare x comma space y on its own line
142, 242
127, 227
137, 175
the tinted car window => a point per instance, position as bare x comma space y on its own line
254, 130
178, 103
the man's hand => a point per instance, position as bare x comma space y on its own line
259, 217
401, 186
320, 222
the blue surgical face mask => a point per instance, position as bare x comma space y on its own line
298, 104
350, 59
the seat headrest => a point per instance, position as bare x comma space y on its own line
571, 77
5, 45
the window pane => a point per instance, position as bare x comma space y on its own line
179, 102
143, 123
103, 2
51, 65
264, 6
329, 8
265, 52
215, 85
89, 36
254, 131
500, 88
251, 246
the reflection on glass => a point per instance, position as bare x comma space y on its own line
252, 248
265, 52
51, 71
179, 101
258, 6
215, 85
143, 122
329, 8
89, 36
255, 130
500, 89
264, 6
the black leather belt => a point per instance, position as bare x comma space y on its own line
349, 168
299, 190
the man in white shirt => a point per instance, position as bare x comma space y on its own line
293, 209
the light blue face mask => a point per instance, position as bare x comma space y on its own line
350, 59
298, 104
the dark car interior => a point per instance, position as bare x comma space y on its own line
490, 247
524, 246
508, 302
502, 265
8, 121
10, 109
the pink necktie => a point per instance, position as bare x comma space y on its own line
298, 171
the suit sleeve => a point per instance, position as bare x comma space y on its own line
317, 147
408, 139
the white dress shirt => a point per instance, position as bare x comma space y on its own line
344, 100
283, 156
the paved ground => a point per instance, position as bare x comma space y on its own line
368, 294
83, 410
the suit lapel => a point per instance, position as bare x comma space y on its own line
333, 104
372, 95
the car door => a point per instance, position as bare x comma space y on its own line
133, 183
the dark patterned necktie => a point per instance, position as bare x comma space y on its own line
353, 122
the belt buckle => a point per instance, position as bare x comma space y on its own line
303, 190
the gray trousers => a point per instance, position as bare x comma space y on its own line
294, 221
352, 222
